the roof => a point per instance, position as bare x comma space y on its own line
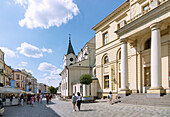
70, 48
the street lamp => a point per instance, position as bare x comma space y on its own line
88, 49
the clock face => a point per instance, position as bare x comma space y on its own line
71, 59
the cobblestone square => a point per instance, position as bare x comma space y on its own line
99, 109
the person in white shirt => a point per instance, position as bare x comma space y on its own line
110, 97
41, 98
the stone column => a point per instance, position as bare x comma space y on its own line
156, 84
124, 68
155, 56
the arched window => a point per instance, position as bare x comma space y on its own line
119, 55
147, 44
106, 59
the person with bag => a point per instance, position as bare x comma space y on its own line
74, 102
79, 100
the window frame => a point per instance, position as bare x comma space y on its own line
106, 80
106, 57
105, 38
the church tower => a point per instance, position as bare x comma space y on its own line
70, 57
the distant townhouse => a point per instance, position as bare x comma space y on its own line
2, 68
8, 75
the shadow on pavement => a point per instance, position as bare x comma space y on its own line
87, 110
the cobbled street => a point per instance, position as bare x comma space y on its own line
99, 109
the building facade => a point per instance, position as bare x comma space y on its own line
75, 66
133, 49
8, 75
2, 68
33, 85
20, 79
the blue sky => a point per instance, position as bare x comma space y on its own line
34, 33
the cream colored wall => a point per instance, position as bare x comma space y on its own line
74, 75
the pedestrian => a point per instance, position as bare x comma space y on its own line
74, 102
79, 100
38, 98
35, 97
22, 99
47, 98
41, 98
110, 97
50, 98
32, 100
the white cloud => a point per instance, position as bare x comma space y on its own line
46, 67
22, 64
23, 3
32, 51
47, 13
53, 78
47, 50
8, 52
45, 74
55, 72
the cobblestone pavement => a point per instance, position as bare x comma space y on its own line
38, 110
100, 109
103, 109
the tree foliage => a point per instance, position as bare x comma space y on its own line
52, 90
85, 79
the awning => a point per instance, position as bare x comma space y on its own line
9, 90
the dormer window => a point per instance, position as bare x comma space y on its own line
145, 7
105, 38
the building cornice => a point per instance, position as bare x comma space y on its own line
105, 20
147, 17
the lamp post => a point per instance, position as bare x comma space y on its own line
88, 49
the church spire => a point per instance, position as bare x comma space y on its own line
70, 48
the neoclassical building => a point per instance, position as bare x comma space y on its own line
133, 49
75, 66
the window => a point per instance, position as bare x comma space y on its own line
106, 59
105, 38
17, 76
106, 82
148, 44
147, 80
71, 59
146, 7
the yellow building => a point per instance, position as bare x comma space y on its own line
1, 68
8, 75
133, 49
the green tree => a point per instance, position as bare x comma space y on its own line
52, 90
85, 79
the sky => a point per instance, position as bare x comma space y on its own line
34, 34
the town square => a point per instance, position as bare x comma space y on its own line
74, 58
